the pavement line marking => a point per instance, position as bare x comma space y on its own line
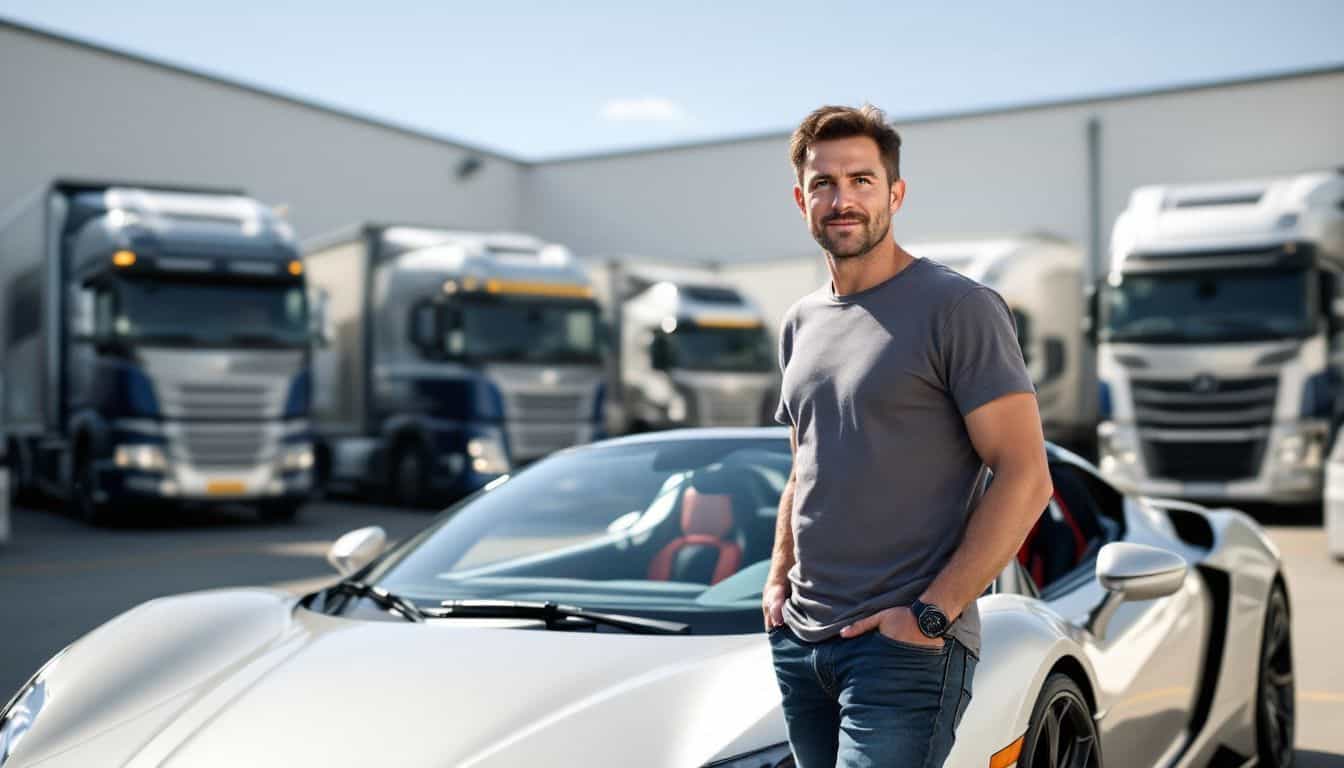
1321, 697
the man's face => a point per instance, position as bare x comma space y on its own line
845, 196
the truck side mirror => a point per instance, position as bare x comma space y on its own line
1054, 358
1092, 318
660, 352
425, 327
320, 321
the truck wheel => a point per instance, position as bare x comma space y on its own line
409, 478
279, 511
86, 507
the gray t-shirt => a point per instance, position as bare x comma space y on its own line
876, 385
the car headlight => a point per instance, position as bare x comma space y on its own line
18, 715
487, 456
770, 757
297, 458
144, 456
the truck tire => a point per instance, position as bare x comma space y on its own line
409, 479
279, 511
83, 503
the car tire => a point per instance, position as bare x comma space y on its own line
1062, 731
409, 477
1275, 689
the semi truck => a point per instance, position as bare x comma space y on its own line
155, 349
1220, 339
455, 357
1042, 278
691, 351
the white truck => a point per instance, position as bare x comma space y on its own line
691, 351
453, 357
1041, 277
1220, 339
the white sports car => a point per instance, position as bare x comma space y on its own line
602, 608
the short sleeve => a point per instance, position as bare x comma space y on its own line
782, 414
980, 351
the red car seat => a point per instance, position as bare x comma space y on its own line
707, 550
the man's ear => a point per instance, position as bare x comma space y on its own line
897, 195
798, 199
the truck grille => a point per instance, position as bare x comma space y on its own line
536, 406
540, 423
720, 410
234, 401
1204, 461
1234, 404
1238, 405
222, 446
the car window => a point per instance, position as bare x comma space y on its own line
1084, 513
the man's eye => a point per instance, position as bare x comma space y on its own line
818, 184
864, 180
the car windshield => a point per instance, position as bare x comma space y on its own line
219, 312
525, 330
1228, 306
708, 348
675, 529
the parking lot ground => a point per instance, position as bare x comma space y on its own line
60, 578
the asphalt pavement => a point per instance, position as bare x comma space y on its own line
60, 579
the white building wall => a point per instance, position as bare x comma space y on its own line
73, 110
972, 175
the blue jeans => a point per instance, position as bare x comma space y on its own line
871, 701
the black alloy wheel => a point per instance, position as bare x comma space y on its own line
1276, 692
1062, 733
408, 477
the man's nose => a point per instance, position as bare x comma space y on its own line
845, 198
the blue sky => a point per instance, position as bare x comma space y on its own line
545, 79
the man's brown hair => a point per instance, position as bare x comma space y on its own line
832, 122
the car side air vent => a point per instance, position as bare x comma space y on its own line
1192, 527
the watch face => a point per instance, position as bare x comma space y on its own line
932, 622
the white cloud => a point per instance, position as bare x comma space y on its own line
648, 109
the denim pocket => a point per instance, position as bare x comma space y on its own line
967, 678
912, 647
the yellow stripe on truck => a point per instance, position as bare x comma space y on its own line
727, 322
565, 290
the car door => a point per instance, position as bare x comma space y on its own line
1149, 658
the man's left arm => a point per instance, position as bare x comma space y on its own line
1006, 433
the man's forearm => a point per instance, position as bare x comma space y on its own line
781, 560
996, 530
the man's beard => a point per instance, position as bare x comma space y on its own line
871, 233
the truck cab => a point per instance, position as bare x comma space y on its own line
1041, 277
1220, 339
694, 352
456, 357
156, 350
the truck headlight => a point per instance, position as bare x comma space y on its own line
770, 757
297, 458
18, 715
487, 456
143, 456
1115, 447
1302, 451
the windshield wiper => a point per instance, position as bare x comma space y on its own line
264, 338
382, 597
554, 614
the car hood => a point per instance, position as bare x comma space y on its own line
244, 677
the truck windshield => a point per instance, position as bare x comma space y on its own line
525, 330
204, 312
701, 348
1187, 307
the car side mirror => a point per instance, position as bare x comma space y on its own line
1054, 358
356, 549
1129, 572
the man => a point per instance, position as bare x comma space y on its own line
903, 382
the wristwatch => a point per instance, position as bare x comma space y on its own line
930, 618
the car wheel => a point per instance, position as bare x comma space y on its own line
1275, 694
408, 477
1062, 733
